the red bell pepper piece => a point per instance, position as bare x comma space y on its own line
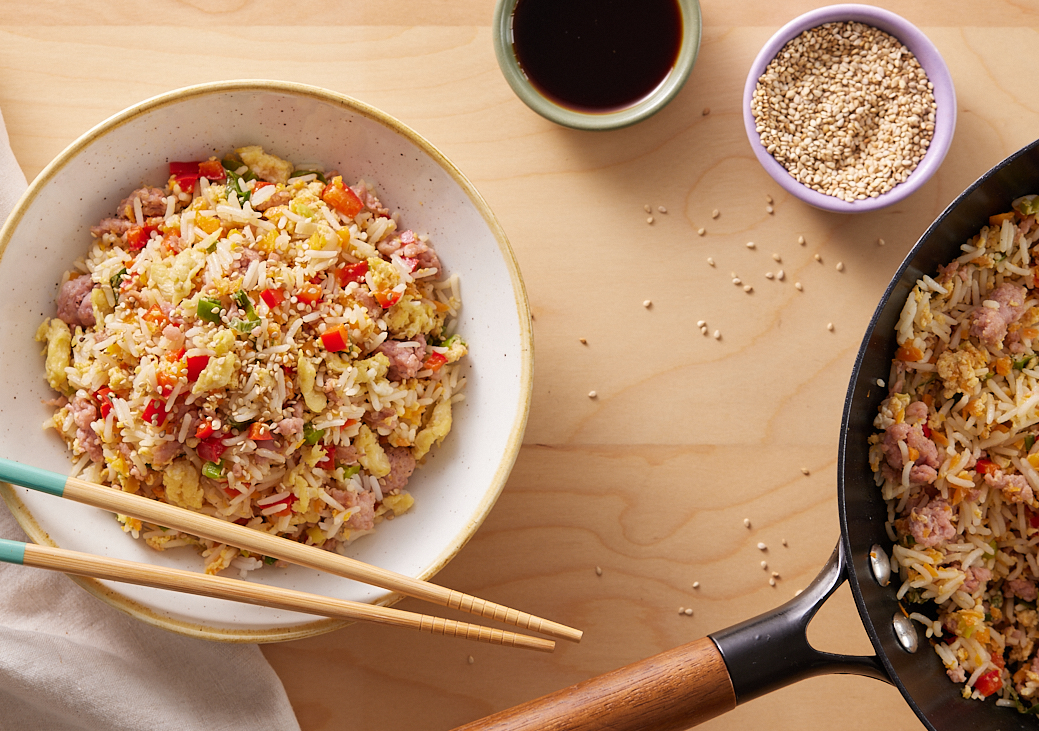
104, 398
137, 237
388, 299
335, 338
342, 198
351, 273
985, 466
204, 429
212, 170
309, 294
155, 412
988, 683
211, 449
272, 297
435, 361
260, 432
196, 364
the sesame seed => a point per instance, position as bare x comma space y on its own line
583, 341
764, 565
696, 584
818, 258
777, 257
798, 592
701, 231
785, 543
706, 111
681, 610
880, 242
661, 209
647, 209
801, 240
750, 244
598, 570
804, 470
775, 574
746, 522
840, 266
768, 198
592, 394
829, 326
471, 659
715, 213
747, 288
717, 334
704, 330
710, 261
798, 287
771, 582
762, 547
737, 280
650, 220
880, 382
688, 611
646, 303
768, 209
769, 275
701, 323
780, 275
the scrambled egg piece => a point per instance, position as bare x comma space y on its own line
99, 303
959, 369
399, 504
438, 427
59, 352
409, 317
266, 166
372, 456
372, 369
384, 276
315, 400
217, 374
181, 480
173, 276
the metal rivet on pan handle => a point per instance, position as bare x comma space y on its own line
880, 565
905, 632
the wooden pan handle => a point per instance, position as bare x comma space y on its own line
667, 692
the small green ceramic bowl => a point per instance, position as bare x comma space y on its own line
614, 119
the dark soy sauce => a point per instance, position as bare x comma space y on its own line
596, 55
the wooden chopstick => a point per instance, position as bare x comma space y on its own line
219, 587
215, 529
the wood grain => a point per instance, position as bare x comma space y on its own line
674, 690
688, 436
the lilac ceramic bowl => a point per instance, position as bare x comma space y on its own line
929, 58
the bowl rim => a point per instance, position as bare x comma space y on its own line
501, 28
131, 607
930, 59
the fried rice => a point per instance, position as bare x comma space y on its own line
260, 343
957, 461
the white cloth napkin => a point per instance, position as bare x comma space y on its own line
69, 662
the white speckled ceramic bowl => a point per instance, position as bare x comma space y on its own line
931, 61
50, 228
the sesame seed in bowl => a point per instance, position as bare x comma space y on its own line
850, 108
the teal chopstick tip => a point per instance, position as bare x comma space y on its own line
12, 551
32, 477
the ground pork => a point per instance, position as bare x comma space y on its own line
990, 325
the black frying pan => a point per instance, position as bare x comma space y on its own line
695, 682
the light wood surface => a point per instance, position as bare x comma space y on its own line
220, 587
688, 436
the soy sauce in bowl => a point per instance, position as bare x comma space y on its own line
597, 56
